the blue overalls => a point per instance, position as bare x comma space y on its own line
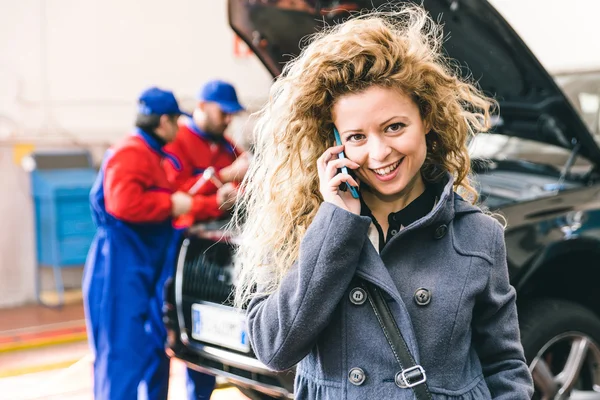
127, 266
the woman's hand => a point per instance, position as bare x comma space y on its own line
330, 180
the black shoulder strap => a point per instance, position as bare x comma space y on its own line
411, 375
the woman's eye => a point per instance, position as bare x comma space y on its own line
355, 137
395, 127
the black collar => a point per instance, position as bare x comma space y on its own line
414, 211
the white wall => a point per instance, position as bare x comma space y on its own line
562, 34
70, 71
17, 256
75, 67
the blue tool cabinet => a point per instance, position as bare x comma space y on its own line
61, 183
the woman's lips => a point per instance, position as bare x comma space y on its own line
389, 173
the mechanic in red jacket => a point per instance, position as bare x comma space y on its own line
131, 256
201, 144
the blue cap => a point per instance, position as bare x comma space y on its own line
223, 94
155, 101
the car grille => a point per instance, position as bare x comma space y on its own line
208, 271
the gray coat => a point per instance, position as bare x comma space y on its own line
466, 338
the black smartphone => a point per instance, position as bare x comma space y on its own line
338, 140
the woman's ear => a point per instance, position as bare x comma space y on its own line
427, 127
425, 110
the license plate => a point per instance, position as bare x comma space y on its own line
220, 325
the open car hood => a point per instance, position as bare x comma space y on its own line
532, 106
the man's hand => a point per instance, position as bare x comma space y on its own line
236, 171
226, 195
181, 203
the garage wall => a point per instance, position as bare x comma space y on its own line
563, 35
74, 67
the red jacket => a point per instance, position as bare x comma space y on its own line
192, 152
135, 184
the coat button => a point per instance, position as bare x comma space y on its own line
440, 232
356, 376
422, 296
393, 232
358, 296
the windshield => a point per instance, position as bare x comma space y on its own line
583, 90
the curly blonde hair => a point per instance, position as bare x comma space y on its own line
280, 194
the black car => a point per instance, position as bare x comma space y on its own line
540, 169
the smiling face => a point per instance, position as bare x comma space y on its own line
383, 132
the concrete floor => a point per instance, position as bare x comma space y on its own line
64, 372
44, 355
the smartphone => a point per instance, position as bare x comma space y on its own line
338, 140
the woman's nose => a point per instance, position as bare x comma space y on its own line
379, 149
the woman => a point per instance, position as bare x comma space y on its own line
321, 271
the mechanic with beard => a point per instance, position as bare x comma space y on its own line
133, 206
200, 144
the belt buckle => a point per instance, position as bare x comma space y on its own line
405, 383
